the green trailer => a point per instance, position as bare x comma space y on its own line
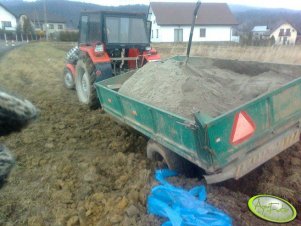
227, 146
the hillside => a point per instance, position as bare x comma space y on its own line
69, 11
251, 17
61, 9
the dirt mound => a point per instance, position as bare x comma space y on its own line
210, 86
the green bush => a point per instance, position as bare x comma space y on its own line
68, 36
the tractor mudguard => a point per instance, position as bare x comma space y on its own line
103, 71
103, 58
71, 67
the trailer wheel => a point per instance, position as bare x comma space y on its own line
68, 79
173, 161
84, 83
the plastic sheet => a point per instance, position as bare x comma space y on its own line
181, 207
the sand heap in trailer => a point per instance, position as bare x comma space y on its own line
209, 86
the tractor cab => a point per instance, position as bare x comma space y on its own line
110, 43
124, 37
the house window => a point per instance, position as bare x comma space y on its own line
51, 26
281, 32
203, 32
60, 26
6, 24
288, 32
157, 33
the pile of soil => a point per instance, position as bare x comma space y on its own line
78, 167
205, 85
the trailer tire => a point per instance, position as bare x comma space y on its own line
84, 83
68, 79
173, 161
7, 162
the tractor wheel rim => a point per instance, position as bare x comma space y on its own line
85, 85
69, 79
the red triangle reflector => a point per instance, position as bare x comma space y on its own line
243, 128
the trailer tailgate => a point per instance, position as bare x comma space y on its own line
275, 118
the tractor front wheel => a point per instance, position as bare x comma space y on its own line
68, 79
85, 82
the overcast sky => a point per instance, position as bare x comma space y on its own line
290, 4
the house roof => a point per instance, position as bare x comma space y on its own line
280, 23
260, 29
51, 18
175, 13
1, 5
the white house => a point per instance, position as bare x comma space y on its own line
53, 25
8, 21
260, 33
284, 34
171, 22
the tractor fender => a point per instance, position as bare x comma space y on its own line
151, 55
71, 67
103, 58
103, 71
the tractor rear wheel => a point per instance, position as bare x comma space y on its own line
84, 83
68, 79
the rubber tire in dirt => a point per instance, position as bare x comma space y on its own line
175, 162
7, 162
68, 79
84, 83
15, 112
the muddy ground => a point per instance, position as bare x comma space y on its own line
79, 167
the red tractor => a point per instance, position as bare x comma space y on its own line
110, 43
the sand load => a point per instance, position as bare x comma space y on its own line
209, 86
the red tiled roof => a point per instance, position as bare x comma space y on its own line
175, 13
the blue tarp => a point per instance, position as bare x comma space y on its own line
181, 207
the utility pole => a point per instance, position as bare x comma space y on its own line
45, 20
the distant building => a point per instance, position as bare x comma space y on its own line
54, 25
284, 34
171, 22
260, 33
8, 21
